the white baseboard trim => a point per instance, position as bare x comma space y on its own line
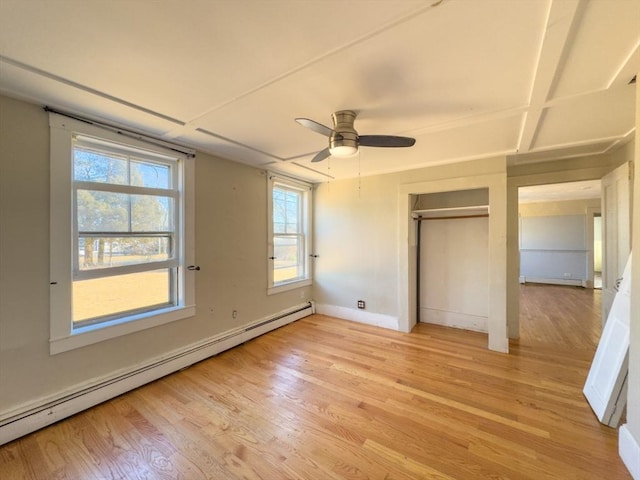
360, 316
553, 281
629, 450
45, 411
464, 321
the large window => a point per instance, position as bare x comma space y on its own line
125, 204
118, 230
290, 206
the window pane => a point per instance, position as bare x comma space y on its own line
151, 175
121, 212
293, 209
103, 297
102, 211
150, 213
105, 252
286, 211
288, 264
279, 211
89, 166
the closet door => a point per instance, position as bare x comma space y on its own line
454, 272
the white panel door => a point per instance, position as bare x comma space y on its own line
606, 385
616, 232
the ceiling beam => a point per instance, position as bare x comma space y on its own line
562, 20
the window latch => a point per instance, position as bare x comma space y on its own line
193, 267
272, 258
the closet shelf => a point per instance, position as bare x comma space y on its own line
452, 212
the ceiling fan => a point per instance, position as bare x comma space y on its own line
344, 140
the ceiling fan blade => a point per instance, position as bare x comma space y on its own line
315, 126
385, 141
321, 155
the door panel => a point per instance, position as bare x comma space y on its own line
606, 383
616, 232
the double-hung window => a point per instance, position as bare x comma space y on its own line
290, 245
124, 231
118, 235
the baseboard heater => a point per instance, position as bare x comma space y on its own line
554, 281
49, 410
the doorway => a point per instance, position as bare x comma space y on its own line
557, 233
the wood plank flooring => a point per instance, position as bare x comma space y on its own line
329, 399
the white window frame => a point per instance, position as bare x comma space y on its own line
306, 190
64, 335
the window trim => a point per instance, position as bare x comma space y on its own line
307, 222
63, 335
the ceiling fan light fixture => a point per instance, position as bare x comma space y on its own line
343, 150
344, 140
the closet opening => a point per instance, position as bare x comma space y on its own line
452, 256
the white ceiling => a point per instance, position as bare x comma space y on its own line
532, 79
560, 191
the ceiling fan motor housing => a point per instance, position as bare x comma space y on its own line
344, 139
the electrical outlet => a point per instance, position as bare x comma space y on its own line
234, 314
361, 304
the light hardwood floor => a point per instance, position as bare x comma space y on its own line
328, 399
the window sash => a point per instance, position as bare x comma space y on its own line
129, 154
300, 263
172, 300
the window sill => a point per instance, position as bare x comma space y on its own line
284, 287
91, 334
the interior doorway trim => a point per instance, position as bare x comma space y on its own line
407, 251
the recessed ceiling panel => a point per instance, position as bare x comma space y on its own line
46, 92
587, 119
446, 64
221, 148
183, 58
609, 31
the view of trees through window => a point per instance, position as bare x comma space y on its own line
124, 210
143, 220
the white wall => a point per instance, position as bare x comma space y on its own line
556, 243
366, 242
630, 432
231, 249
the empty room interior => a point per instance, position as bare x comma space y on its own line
319, 239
